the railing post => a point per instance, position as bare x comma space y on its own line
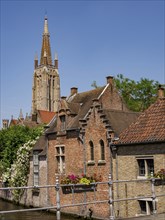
111, 217
153, 195
57, 187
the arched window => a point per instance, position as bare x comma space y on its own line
91, 150
102, 150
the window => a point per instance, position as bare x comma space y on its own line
63, 122
146, 207
35, 168
60, 159
145, 166
91, 150
102, 150
101, 160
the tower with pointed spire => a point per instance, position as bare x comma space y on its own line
46, 80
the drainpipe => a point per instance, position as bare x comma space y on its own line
114, 152
47, 169
82, 139
111, 147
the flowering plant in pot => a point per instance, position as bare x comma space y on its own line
161, 177
76, 183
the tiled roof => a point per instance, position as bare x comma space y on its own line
120, 120
79, 104
84, 100
45, 116
149, 127
13, 122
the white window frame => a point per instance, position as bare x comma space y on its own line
146, 172
149, 211
60, 158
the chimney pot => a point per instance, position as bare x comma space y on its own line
63, 97
160, 92
109, 79
74, 90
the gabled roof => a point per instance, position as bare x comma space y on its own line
25, 122
149, 127
45, 116
13, 122
81, 104
120, 120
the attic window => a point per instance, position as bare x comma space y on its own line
63, 122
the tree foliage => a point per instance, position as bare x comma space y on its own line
10, 141
137, 95
94, 84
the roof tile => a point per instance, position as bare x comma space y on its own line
150, 125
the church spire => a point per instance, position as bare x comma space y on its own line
46, 44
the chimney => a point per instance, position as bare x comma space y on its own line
160, 92
110, 80
73, 90
63, 97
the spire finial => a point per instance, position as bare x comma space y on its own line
46, 25
45, 45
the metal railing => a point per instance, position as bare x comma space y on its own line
110, 201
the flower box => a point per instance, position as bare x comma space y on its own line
160, 177
79, 188
159, 182
35, 191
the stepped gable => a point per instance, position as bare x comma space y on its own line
149, 127
84, 101
115, 121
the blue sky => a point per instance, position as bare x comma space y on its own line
93, 39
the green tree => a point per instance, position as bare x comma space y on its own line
10, 141
137, 95
94, 84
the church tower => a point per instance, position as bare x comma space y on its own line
46, 81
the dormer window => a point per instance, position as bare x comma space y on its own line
63, 122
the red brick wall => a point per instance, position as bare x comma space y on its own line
111, 99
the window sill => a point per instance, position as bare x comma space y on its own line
142, 177
91, 163
101, 162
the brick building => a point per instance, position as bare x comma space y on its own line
78, 141
139, 153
